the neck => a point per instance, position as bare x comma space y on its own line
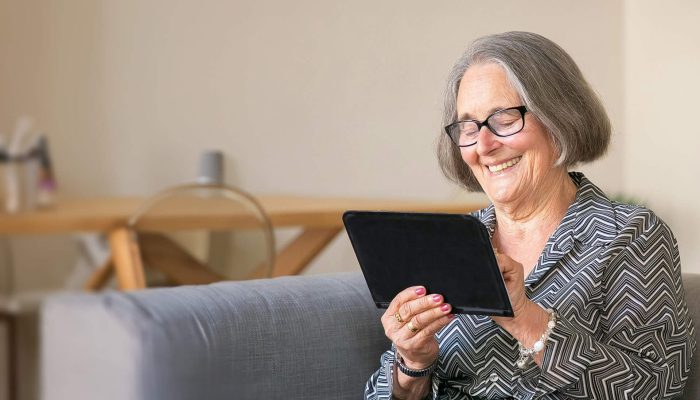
540, 211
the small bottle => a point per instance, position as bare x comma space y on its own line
20, 173
46, 190
3, 167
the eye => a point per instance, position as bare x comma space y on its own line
507, 117
468, 128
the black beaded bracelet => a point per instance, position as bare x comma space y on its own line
413, 373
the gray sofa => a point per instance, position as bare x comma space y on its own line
293, 338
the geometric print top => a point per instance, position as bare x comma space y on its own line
612, 273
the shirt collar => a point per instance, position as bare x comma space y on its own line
591, 208
589, 221
595, 223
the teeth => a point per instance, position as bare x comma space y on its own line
501, 167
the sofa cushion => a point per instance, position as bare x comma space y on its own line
295, 337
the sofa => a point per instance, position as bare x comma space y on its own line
313, 337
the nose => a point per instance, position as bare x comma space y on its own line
487, 141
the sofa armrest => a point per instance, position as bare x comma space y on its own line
293, 337
691, 284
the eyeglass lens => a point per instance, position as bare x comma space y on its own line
502, 123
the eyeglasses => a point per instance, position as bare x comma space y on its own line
502, 123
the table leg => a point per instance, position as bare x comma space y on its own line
100, 276
127, 259
297, 255
165, 255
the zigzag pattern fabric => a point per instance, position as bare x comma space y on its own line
612, 272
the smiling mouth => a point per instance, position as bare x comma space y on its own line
504, 166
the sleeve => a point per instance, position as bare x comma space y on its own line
648, 344
379, 385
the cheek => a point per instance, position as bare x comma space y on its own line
468, 155
543, 154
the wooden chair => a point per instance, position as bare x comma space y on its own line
13, 305
10, 320
230, 239
9, 314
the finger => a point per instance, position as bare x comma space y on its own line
414, 307
429, 331
404, 296
423, 320
499, 262
408, 294
509, 267
505, 263
426, 317
420, 321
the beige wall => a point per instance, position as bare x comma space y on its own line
310, 97
136, 89
662, 82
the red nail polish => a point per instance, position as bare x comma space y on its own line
445, 307
437, 298
420, 291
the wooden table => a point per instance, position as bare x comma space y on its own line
319, 218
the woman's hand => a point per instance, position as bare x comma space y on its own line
529, 320
514, 278
411, 321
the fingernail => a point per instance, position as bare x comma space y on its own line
420, 291
437, 298
445, 307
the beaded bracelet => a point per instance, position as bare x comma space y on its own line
527, 355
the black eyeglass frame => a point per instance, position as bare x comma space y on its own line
481, 124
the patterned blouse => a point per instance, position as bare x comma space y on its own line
612, 272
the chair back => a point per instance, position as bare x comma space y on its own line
202, 233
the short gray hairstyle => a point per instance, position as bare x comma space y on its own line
552, 88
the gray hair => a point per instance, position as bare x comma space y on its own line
552, 88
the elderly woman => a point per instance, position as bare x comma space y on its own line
595, 285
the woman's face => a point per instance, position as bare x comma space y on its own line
509, 169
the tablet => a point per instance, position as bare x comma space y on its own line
449, 254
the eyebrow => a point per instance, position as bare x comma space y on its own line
467, 116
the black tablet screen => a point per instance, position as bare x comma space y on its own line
449, 254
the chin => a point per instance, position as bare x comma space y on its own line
501, 188
499, 191
501, 196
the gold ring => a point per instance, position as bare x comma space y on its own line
398, 317
411, 328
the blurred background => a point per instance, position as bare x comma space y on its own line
321, 98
